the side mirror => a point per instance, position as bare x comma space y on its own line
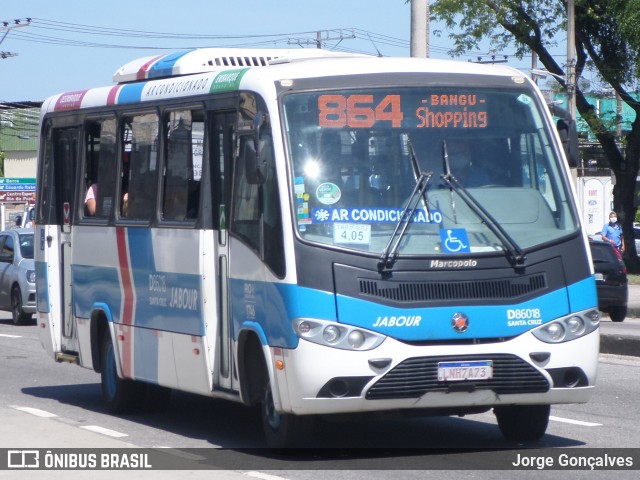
6, 257
568, 132
569, 137
255, 170
255, 161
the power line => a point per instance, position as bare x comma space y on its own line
7, 26
57, 33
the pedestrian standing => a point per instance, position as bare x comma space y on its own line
612, 232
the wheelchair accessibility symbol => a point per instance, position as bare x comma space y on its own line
454, 240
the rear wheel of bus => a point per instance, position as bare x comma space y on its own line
523, 422
120, 396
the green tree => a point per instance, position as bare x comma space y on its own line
607, 43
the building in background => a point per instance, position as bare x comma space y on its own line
19, 152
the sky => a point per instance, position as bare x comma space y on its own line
71, 45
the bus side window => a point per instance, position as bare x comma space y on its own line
246, 211
100, 162
139, 166
183, 165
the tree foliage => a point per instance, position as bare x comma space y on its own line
607, 41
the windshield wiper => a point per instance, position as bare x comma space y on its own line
513, 249
390, 251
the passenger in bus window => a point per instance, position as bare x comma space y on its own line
125, 204
464, 167
90, 200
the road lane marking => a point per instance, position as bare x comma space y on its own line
35, 411
574, 422
10, 336
263, 476
104, 431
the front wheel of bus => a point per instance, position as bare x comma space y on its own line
120, 396
523, 422
283, 430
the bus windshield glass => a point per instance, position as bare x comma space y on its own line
360, 160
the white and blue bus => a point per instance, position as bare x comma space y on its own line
316, 234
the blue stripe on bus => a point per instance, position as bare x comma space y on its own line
485, 321
261, 303
175, 306
131, 93
273, 306
164, 66
435, 323
583, 295
94, 285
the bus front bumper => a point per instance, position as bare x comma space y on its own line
396, 376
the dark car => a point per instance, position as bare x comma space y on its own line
611, 279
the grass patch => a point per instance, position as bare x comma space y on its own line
634, 278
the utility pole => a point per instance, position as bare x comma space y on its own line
420, 28
7, 26
571, 59
320, 39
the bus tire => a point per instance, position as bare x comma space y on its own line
523, 422
283, 430
120, 396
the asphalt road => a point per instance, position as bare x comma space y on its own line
623, 338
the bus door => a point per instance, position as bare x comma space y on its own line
222, 135
54, 223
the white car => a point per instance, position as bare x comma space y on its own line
17, 274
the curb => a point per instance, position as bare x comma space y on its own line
620, 345
633, 312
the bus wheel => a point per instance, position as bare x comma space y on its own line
120, 396
283, 430
19, 317
523, 422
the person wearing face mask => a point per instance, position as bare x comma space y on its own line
612, 232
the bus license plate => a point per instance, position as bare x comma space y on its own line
461, 371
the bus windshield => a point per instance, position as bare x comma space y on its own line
359, 159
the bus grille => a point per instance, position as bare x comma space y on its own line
417, 376
483, 289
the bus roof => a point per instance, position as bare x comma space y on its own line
208, 70
202, 60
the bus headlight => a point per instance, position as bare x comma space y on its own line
569, 327
356, 339
332, 334
576, 325
555, 331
